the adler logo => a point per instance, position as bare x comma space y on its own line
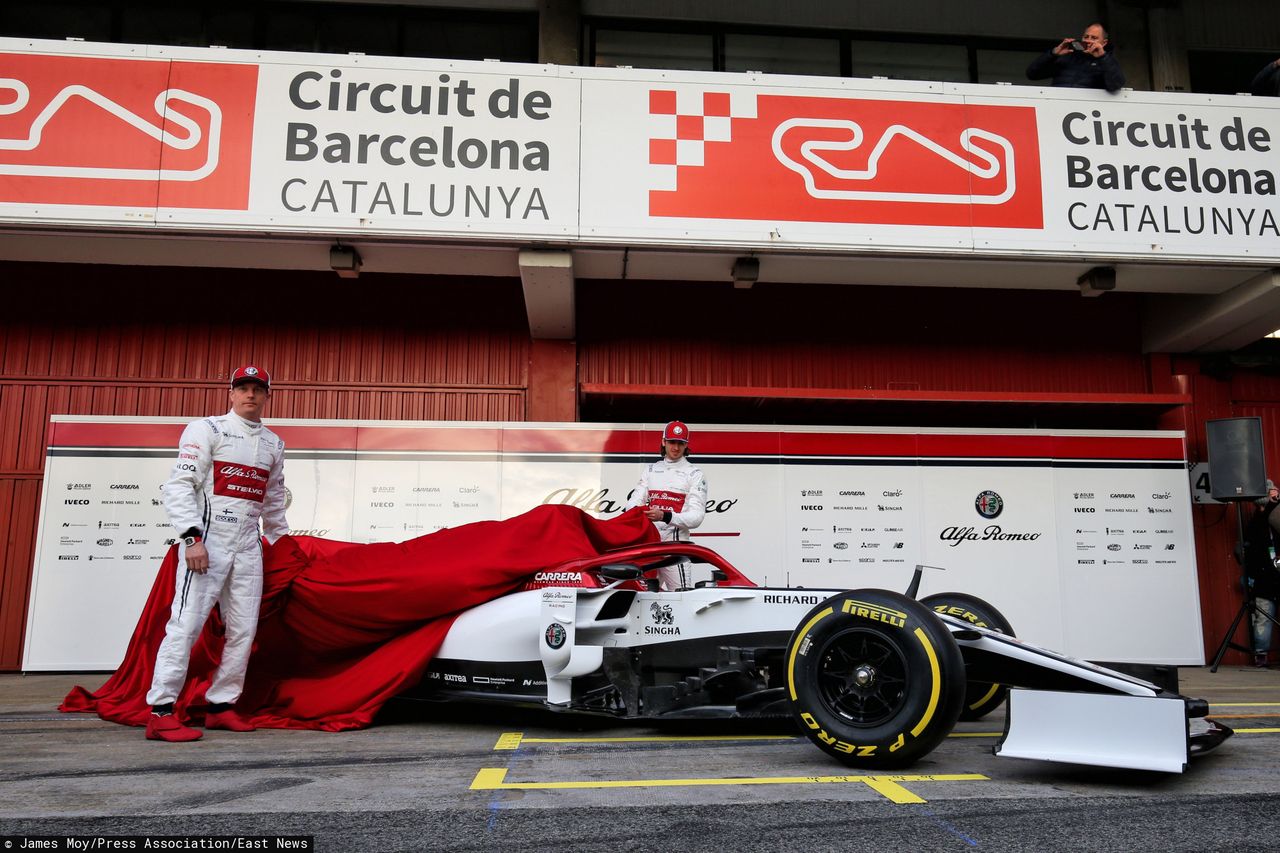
811, 493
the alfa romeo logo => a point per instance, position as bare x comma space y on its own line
988, 504
555, 635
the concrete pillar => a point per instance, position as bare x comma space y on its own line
553, 381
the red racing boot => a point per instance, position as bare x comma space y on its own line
168, 728
228, 720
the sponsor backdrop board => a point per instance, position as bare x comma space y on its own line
1083, 539
197, 138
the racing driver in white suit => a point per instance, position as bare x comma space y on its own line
674, 492
229, 475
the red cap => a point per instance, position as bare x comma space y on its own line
249, 373
676, 431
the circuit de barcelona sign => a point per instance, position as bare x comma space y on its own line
186, 139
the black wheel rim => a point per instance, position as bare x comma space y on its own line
862, 677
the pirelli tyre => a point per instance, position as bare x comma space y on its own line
980, 697
874, 678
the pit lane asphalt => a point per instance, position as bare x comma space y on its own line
410, 784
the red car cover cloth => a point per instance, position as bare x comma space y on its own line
345, 627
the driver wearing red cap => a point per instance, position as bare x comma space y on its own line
228, 478
674, 493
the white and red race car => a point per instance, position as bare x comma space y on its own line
874, 678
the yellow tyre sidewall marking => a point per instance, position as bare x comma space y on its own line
791, 661
935, 674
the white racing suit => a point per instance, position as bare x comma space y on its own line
229, 474
678, 488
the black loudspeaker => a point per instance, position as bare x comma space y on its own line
1237, 469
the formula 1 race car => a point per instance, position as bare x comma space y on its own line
874, 678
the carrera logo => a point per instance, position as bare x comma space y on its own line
126, 132
843, 160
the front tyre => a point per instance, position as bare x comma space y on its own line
981, 697
874, 678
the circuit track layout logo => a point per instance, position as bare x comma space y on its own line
747, 156
125, 132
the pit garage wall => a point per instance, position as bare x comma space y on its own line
421, 349
110, 340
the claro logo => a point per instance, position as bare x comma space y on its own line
126, 132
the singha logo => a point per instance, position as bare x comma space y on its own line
661, 613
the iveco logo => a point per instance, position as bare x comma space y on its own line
383, 504
75, 502
1084, 509
802, 506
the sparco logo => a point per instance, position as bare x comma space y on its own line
858, 494
76, 502
1123, 495
811, 507
130, 486
988, 504
811, 493
1084, 509
105, 542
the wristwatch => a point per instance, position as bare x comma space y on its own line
190, 540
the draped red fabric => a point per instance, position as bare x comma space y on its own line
345, 627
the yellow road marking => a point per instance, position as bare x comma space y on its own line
1244, 705
514, 740
1255, 731
890, 786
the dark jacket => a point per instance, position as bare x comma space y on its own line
1078, 70
1267, 82
1259, 538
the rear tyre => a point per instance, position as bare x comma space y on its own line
980, 697
874, 678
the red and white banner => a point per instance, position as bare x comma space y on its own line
190, 138
1083, 539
